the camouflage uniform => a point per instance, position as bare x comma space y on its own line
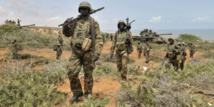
172, 55
120, 44
14, 49
183, 54
191, 50
81, 58
139, 49
60, 39
58, 50
147, 49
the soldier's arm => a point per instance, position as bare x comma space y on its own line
130, 37
99, 45
114, 43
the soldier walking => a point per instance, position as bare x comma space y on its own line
139, 49
14, 49
172, 54
147, 49
191, 49
120, 43
58, 50
83, 51
182, 55
60, 39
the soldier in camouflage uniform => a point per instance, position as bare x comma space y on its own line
14, 49
147, 49
183, 54
172, 54
120, 42
60, 39
191, 50
82, 57
139, 49
58, 50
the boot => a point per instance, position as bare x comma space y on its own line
75, 98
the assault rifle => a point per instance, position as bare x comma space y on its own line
70, 19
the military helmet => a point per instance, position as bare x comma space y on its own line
120, 21
58, 44
85, 4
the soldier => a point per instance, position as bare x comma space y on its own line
111, 36
82, 45
191, 50
139, 49
58, 50
172, 53
18, 22
14, 49
147, 49
60, 39
120, 42
183, 54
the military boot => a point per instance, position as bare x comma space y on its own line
75, 98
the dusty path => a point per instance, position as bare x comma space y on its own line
105, 87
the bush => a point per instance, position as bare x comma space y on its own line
25, 88
167, 88
189, 38
7, 28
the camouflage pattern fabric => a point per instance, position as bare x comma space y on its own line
172, 55
121, 51
58, 50
191, 50
147, 49
14, 48
182, 62
139, 50
60, 39
80, 58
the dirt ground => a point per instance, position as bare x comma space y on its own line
104, 87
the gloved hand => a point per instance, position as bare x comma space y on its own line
128, 27
96, 56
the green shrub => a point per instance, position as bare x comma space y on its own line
170, 88
7, 28
189, 38
25, 88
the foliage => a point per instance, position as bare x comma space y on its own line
205, 46
30, 39
167, 88
6, 28
189, 38
208, 54
25, 88
104, 70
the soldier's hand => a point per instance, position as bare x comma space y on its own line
96, 56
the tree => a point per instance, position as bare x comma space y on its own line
188, 38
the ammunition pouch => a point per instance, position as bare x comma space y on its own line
121, 46
178, 57
86, 45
